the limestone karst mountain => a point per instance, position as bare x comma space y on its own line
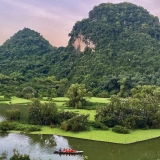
116, 47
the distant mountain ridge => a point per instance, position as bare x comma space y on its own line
113, 50
24, 51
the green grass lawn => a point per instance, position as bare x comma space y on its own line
63, 99
99, 100
106, 136
93, 134
83, 111
15, 100
61, 104
92, 99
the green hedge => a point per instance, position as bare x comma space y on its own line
120, 129
6, 126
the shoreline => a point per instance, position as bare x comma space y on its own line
102, 136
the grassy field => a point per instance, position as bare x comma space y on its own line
60, 101
61, 104
99, 100
15, 100
93, 134
106, 136
92, 99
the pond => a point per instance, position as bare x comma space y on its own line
43, 146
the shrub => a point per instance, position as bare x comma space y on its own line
29, 92
7, 95
5, 126
32, 128
103, 94
120, 129
134, 122
104, 127
25, 127
42, 113
100, 125
13, 114
110, 121
65, 115
5, 99
76, 124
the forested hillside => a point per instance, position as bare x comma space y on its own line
127, 49
25, 52
122, 51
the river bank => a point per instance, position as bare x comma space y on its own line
104, 136
42, 147
92, 134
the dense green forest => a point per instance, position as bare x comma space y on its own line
126, 54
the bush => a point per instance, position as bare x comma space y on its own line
110, 121
25, 127
120, 129
104, 127
7, 95
5, 99
5, 126
76, 124
134, 122
65, 115
103, 94
100, 125
32, 128
13, 114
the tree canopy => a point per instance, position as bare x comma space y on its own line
126, 54
77, 94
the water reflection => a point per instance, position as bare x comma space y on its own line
37, 146
146, 150
43, 146
3, 134
43, 140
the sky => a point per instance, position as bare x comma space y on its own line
53, 19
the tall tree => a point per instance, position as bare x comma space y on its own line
76, 94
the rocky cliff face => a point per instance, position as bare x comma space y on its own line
81, 43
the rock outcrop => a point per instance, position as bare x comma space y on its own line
81, 43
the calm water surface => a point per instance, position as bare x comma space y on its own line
42, 147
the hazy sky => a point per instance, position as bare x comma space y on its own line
54, 19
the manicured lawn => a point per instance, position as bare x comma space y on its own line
106, 136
